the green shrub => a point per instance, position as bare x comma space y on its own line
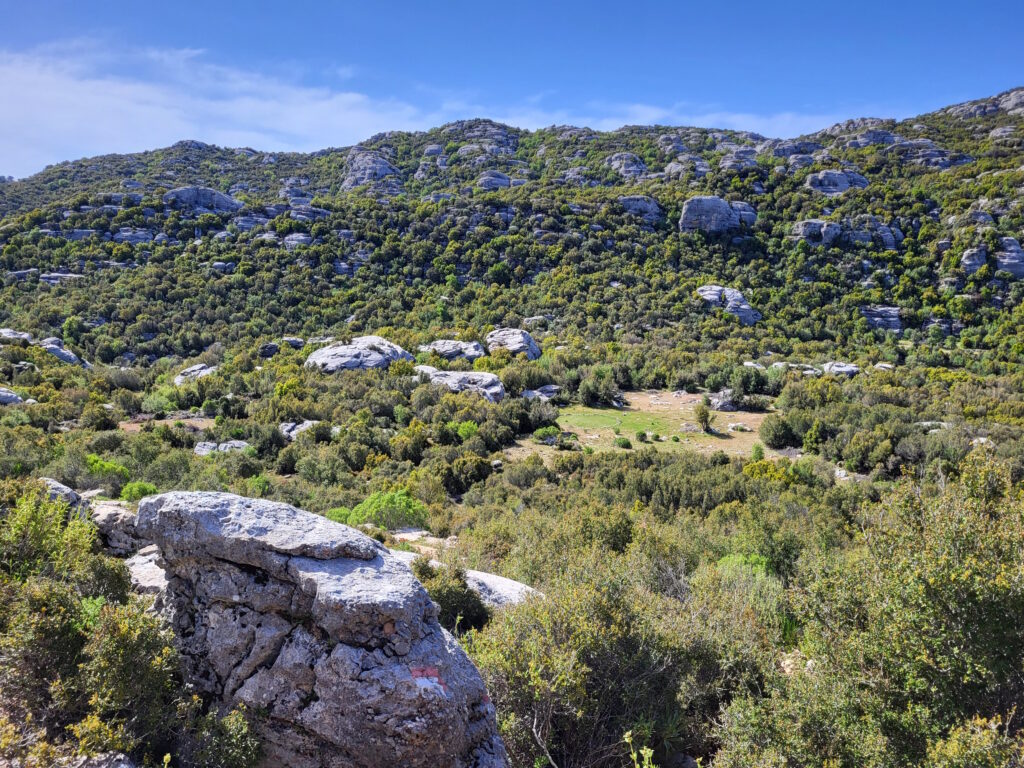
623, 442
390, 510
137, 490
460, 607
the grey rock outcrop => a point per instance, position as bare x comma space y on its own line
362, 353
115, 521
712, 214
973, 259
645, 207
514, 340
450, 349
883, 318
206, 448
487, 385
839, 368
493, 180
495, 591
57, 491
320, 628
832, 183
731, 301
9, 397
1010, 258
369, 167
543, 393
292, 429
816, 231
202, 197
193, 372
626, 164
867, 229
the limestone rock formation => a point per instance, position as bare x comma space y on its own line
839, 368
321, 629
731, 301
626, 164
450, 349
1010, 258
514, 340
488, 385
973, 259
494, 591
363, 352
816, 231
367, 167
206, 448
115, 521
883, 318
201, 197
193, 372
832, 182
292, 429
9, 397
644, 206
712, 214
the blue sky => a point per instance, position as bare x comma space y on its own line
79, 79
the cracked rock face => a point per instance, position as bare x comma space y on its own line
320, 628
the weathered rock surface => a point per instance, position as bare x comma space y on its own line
514, 340
144, 570
193, 372
450, 349
731, 301
368, 167
9, 397
626, 164
883, 318
542, 393
488, 385
973, 259
1010, 258
645, 207
206, 448
839, 368
57, 491
816, 231
362, 353
202, 197
709, 213
320, 628
115, 521
832, 183
292, 429
495, 591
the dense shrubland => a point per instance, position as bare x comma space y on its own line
746, 610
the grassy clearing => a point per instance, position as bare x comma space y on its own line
663, 413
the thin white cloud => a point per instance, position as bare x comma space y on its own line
81, 98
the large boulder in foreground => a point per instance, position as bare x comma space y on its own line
362, 352
322, 630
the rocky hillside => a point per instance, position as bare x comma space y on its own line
909, 226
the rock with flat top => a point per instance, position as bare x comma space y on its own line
712, 214
450, 349
514, 340
322, 630
487, 385
362, 353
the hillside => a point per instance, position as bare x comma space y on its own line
747, 413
